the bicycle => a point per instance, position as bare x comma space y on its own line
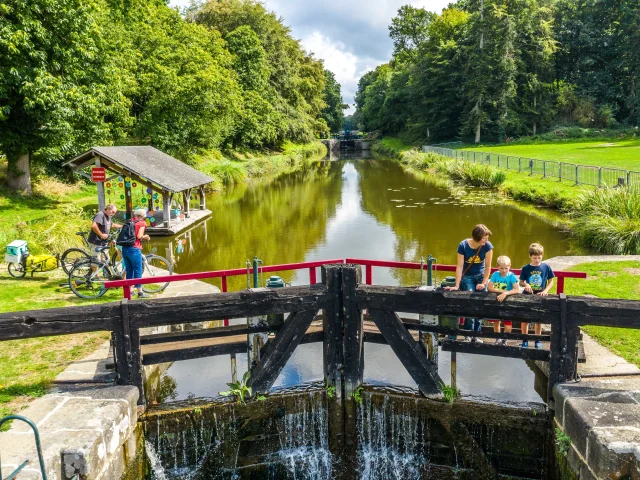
87, 278
74, 254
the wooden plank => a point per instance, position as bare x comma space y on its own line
603, 311
136, 367
212, 350
282, 347
494, 350
122, 339
201, 333
569, 345
218, 306
58, 321
423, 372
529, 308
415, 326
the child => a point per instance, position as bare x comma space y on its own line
505, 283
536, 278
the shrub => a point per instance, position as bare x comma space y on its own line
608, 220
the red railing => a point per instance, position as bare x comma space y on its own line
312, 266
369, 264
223, 274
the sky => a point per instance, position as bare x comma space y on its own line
352, 37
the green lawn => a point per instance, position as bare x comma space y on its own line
603, 153
611, 280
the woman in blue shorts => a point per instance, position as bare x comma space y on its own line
473, 269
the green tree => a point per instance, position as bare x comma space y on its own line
409, 29
332, 113
62, 88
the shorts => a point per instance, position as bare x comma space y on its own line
507, 323
99, 255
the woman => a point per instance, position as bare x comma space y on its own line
473, 269
132, 255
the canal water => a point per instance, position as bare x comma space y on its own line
363, 208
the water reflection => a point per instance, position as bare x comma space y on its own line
364, 209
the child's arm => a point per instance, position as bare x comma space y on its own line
527, 287
549, 286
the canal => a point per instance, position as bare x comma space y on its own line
364, 208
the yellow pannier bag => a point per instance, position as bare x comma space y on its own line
42, 263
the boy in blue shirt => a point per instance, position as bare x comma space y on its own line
505, 283
537, 279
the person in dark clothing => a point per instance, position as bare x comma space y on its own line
100, 228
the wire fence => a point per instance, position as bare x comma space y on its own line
571, 172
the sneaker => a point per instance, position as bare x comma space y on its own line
477, 340
537, 344
498, 341
525, 344
143, 295
504, 342
467, 339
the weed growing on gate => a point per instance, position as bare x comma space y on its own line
331, 391
357, 394
563, 442
450, 393
239, 390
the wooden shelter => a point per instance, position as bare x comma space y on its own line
160, 173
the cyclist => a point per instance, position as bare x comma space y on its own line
100, 228
132, 255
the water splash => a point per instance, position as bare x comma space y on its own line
304, 441
389, 442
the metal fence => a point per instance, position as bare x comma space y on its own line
571, 172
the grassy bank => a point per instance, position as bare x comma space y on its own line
611, 280
606, 220
616, 153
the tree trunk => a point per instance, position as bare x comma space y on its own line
19, 173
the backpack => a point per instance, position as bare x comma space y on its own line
127, 235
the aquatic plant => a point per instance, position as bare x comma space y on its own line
240, 390
227, 171
450, 393
357, 394
608, 219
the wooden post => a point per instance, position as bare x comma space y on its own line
332, 353
555, 353
127, 198
569, 345
234, 368
454, 369
100, 185
128, 354
353, 347
186, 196
166, 208
203, 204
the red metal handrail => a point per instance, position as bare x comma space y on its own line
224, 274
369, 264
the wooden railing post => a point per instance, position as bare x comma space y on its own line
563, 348
332, 353
127, 349
353, 346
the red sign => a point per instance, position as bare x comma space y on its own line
98, 174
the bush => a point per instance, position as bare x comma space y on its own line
227, 171
475, 174
608, 220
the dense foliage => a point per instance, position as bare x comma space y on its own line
227, 75
493, 69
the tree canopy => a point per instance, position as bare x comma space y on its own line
226, 75
490, 69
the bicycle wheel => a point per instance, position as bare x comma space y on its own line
87, 278
155, 266
117, 263
17, 270
71, 256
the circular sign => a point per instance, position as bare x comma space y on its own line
121, 197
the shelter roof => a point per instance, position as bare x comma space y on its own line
149, 163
